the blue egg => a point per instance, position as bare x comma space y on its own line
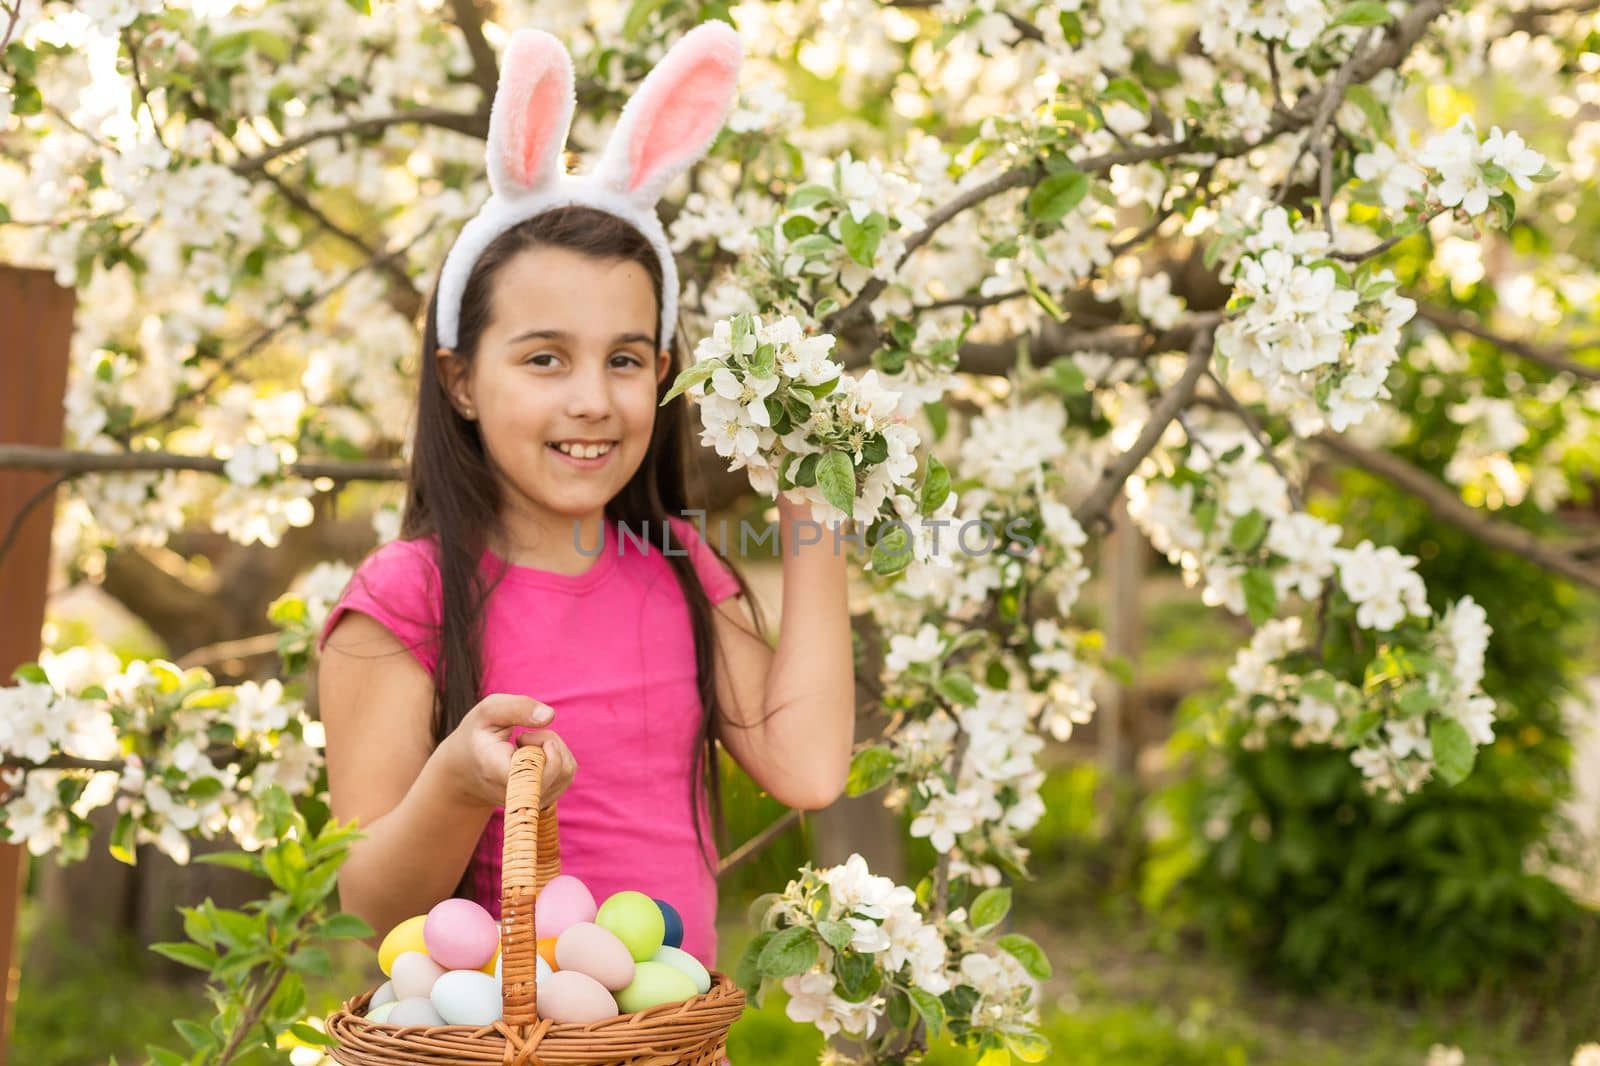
674, 937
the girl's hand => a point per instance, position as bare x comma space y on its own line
479, 751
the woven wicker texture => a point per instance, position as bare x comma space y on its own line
691, 1033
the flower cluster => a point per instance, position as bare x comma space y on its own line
1417, 711
773, 401
854, 951
1319, 339
1454, 169
175, 754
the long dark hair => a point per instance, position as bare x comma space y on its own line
453, 497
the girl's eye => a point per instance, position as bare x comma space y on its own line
627, 360
534, 359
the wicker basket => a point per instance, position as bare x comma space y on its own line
692, 1033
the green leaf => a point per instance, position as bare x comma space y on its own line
1055, 196
1029, 1047
814, 245
1377, 116
1026, 951
858, 976
315, 1037
122, 845
1453, 750
163, 1057
312, 960
958, 689
344, 925
235, 860
1260, 595
837, 934
363, 7
789, 953
1248, 532
892, 553
808, 196
861, 239
938, 418
691, 377
194, 1034
32, 672
991, 907
1042, 298
836, 476
1361, 13
870, 768
638, 15
935, 486
931, 1008
747, 974
1067, 378
187, 954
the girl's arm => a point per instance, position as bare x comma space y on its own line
422, 808
805, 690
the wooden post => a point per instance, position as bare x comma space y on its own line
1124, 574
35, 345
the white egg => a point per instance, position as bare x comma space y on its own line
413, 975
414, 1011
679, 959
384, 994
380, 1013
466, 997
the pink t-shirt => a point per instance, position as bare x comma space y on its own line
612, 651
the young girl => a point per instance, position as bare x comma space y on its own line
546, 588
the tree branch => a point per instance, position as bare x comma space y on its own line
1445, 504
485, 71
1093, 509
72, 464
473, 125
1554, 358
1405, 33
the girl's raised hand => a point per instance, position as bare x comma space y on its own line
480, 753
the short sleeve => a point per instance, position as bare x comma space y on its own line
398, 584
715, 575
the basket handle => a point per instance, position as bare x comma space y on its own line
530, 857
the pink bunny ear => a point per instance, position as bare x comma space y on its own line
531, 114
673, 118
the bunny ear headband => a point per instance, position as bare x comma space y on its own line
664, 128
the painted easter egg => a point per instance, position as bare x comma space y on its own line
636, 920
596, 951
679, 959
570, 996
655, 983
563, 902
674, 922
460, 934
418, 1010
407, 936
381, 1012
547, 951
466, 997
384, 994
414, 975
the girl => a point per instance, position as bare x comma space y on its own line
546, 588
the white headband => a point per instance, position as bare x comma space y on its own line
664, 128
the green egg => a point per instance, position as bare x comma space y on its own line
637, 922
655, 983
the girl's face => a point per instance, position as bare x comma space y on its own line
569, 359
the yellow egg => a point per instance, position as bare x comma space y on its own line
407, 936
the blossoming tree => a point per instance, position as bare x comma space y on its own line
966, 273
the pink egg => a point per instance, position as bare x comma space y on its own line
570, 996
563, 902
460, 935
598, 952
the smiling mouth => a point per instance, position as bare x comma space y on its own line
582, 452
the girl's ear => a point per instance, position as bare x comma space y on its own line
456, 382
530, 116
675, 115
663, 365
